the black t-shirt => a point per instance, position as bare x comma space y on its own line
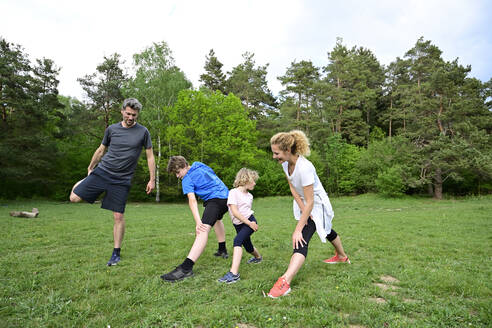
124, 148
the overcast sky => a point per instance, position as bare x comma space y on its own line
78, 34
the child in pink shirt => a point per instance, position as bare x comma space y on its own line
239, 202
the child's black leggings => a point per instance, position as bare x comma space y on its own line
243, 237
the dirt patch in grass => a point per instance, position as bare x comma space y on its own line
391, 289
244, 325
378, 300
389, 279
386, 287
409, 300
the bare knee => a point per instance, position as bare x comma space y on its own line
74, 198
118, 217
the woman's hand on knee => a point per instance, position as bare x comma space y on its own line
298, 240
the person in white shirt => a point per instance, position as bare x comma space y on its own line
240, 202
312, 207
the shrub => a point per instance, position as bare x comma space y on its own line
390, 182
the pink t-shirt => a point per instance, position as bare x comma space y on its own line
243, 201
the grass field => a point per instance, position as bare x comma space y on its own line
416, 262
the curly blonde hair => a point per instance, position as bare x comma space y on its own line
294, 141
245, 176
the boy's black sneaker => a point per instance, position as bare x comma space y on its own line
222, 254
177, 274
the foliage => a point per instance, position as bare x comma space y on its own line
300, 82
104, 88
80, 138
213, 78
421, 124
338, 169
30, 123
385, 158
211, 128
272, 181
248, 82
156, 84
354, 80
440, 120
390, 182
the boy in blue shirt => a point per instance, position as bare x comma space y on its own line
201, 180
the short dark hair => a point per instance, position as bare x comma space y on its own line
132, 103
176, 163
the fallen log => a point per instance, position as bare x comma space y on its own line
24, 214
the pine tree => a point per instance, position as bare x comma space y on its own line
300, 82
104, 88
447, 118
213, 78
248, 82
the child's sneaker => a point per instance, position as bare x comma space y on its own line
222, 254
281, 288
335, 259
255, 259
114, 259
229, 278
177, 274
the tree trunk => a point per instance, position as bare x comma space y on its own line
157, 188
339, 120
439, 123
390, 121
201, 158
438, 184
404, 121
23, 214
299, 110
430, 189
4, 108
4, 114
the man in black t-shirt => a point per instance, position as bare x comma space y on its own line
123, 141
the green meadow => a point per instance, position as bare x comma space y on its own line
416, 262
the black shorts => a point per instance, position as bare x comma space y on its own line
215, 209
307, 232
100, 181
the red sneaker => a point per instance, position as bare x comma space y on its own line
336, 259
281, 288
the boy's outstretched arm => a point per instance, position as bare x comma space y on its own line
192, 202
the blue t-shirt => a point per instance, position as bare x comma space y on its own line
203, 181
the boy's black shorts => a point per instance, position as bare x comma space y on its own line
215, 209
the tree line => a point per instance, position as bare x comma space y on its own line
420, 125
